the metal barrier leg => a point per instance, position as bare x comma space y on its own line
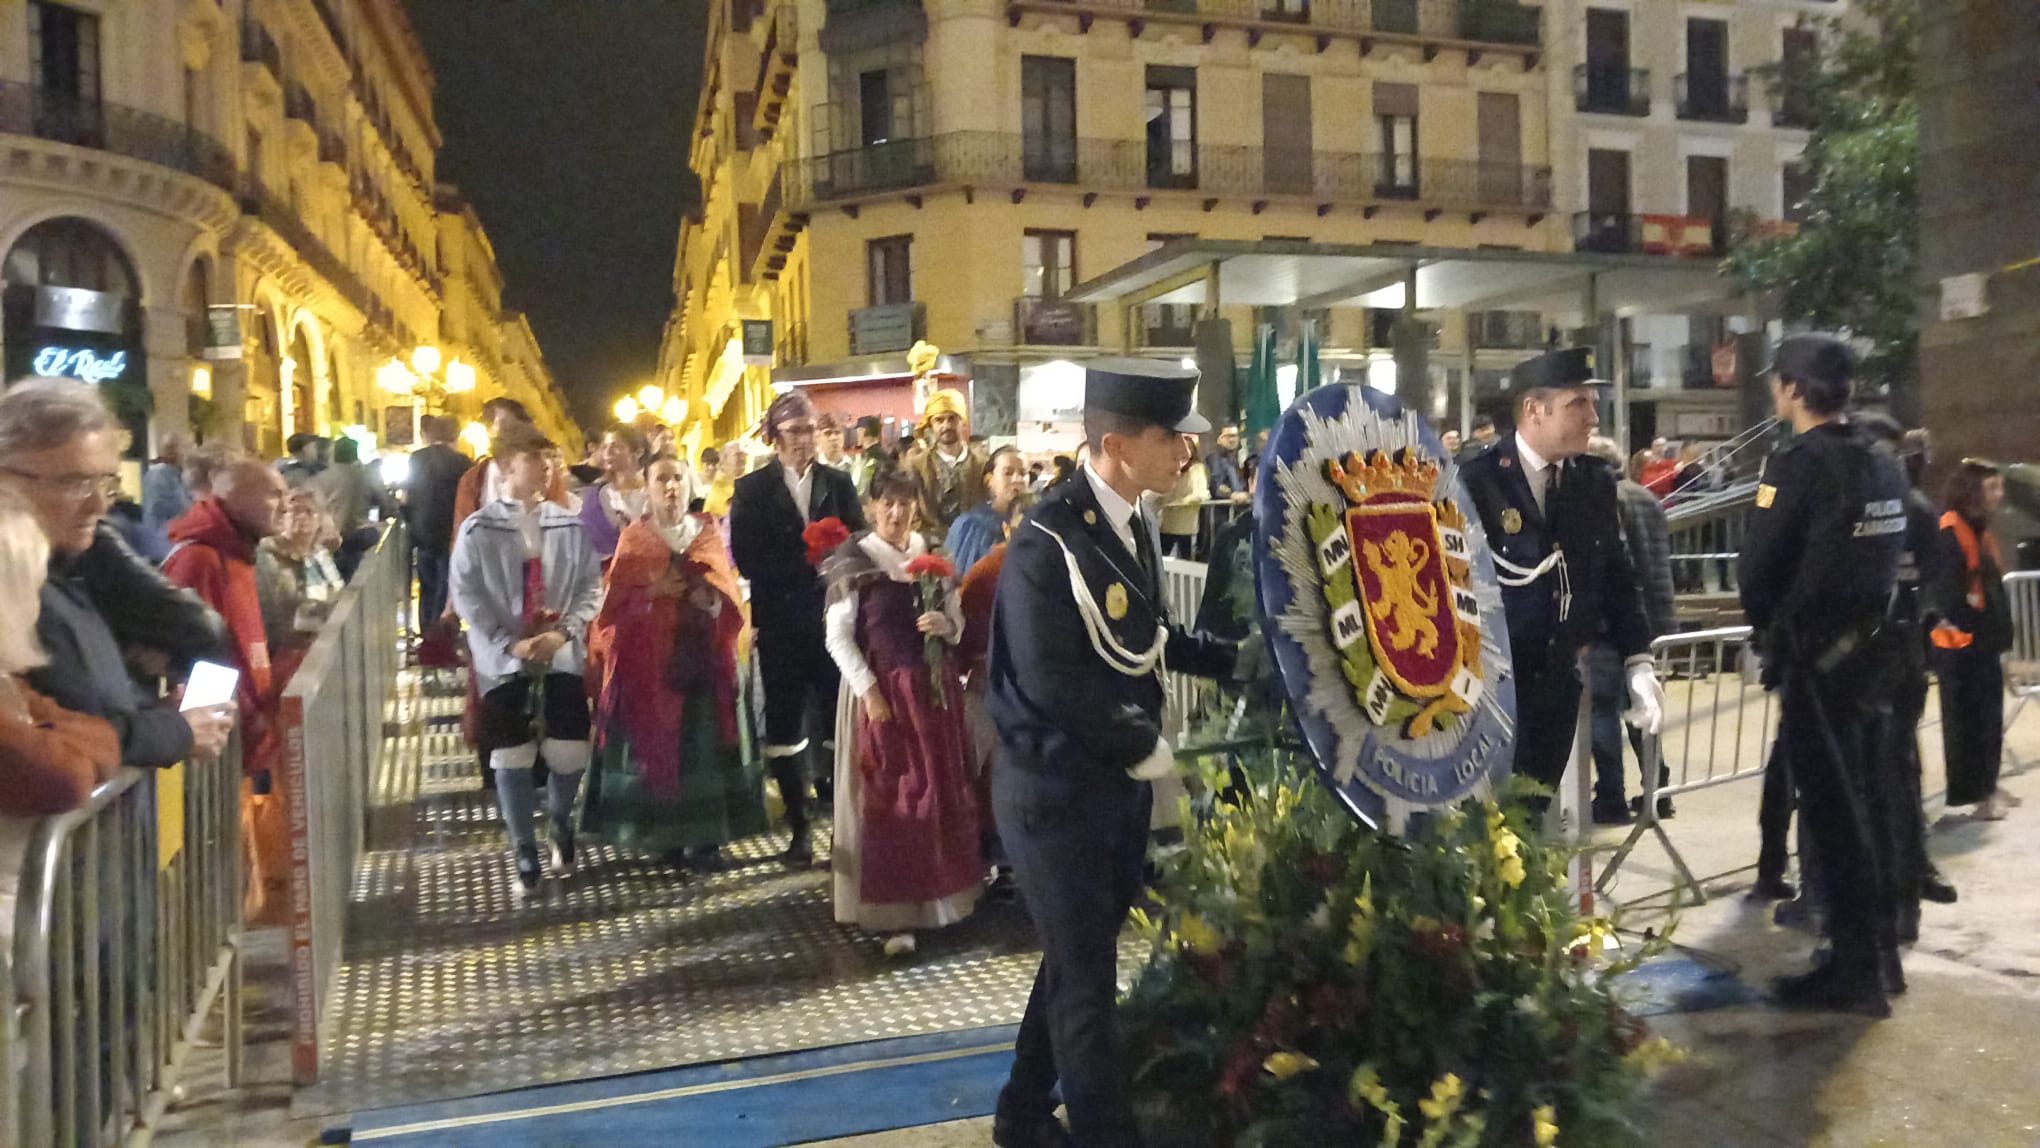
1647, 821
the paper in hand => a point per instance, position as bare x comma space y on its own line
210, 684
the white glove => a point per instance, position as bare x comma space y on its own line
1647, 699
1159, 763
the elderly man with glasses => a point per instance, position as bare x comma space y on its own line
102, 607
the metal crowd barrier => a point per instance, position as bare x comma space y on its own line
1186, 697
121, 923
331, 717
1718, 728
2022, 664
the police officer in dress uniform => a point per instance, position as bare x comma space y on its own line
1818, 570
1080, 636
1550, 513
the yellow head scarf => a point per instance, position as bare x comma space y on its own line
947, 401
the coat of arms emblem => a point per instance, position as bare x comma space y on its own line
1398, 588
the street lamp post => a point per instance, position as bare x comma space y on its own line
652, 400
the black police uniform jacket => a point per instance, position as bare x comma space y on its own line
1059, 708
766, 543
1822, 550
1581, 518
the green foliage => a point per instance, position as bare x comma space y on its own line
1314, 982
1853, 263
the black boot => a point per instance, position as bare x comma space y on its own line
791, 778
1936, 888
1771, 887
1841, 985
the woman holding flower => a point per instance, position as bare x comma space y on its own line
906, 847
668, 777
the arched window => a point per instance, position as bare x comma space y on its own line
71, 252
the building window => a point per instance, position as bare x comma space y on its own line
63, 69
889, 267
1395, 117
1050, 262
875, 110
1172, 127
1168, 324
1797, 185
1048, 117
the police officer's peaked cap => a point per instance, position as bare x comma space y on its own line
1151, 391
1814, 357
1563, 367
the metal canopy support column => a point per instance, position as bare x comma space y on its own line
1412, 358
1622, 381
1466, 377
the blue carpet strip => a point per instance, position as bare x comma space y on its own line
762, 1102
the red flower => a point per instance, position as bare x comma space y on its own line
931, 566
822, 537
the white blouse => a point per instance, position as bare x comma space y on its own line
841, 620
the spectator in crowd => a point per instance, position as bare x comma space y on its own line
350, 493
215, 558
867, 453
729, 467
1181, 508
201, 463
430, 491
659, 440
770, 510
1656, 470
482, 484
307, 458
829, 449
1065, 469
1973, 635
1483, 437
527, 583
1222, 467
984, 526
1037, 477
901, 863
669, 777
296, 578
50, 757
1448, 441
952, 469
59, 450
1647, 535
165, 490
620, 496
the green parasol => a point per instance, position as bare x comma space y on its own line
1264, 408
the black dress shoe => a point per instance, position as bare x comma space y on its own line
1045, 1132
1834, 988
1891, 973
1665, 812
1936, 888
1773, 889
800, 854
1612, 813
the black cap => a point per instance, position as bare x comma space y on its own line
1154, 392
1563, 367
1815, 357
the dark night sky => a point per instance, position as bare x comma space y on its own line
566, 124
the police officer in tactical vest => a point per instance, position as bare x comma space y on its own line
1818, 570
1549, 510
1080, 636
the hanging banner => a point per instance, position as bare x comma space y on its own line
223, 331
758, 342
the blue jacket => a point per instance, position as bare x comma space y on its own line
487, 586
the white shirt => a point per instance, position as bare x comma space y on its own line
1537, 471
526, 518
801, 486
1118, 512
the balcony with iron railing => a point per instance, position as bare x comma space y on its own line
1621, 232
777, 62
1791, 105
1505, 330
30, 111
1009, 159
1498, 23
1166, 325
1611, 89
1712, 97
1039, 322
257, 202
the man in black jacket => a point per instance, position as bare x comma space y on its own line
1550, 513
769, 510
60, 453
1078, 637
429, 492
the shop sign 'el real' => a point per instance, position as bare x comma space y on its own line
1382, 607
81, 363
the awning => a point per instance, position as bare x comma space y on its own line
1289, 274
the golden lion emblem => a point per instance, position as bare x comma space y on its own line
1403, 596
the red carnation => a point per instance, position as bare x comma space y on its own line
822, 537
931, 566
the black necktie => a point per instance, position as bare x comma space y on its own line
1143, 547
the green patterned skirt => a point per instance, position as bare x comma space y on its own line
721, 793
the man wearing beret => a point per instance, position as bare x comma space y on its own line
1818, 571
1550, 513
1080, 637
953, 470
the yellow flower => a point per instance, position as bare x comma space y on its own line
1283, 1065
1444, 1098
1654, 1054
1511, 872
1360, 931
1367, 1086
1507, 845
1197, 936
1544, 1126
1145, 927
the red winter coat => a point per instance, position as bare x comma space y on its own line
216, 560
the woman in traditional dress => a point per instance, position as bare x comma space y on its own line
906, 830
983, 526
668, 775
619, 498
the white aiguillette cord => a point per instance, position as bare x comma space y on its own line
1510, 574
1108, 647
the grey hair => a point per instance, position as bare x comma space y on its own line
1605, 449
24, 563
42, 413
